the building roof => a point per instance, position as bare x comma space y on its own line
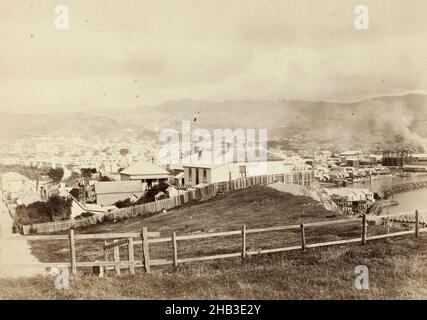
119, 187
144, 168
352, 193
29, 197
350, 152
203, 166
248, 163
13, 176
179, 175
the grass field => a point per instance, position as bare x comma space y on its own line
258, 206
397, 267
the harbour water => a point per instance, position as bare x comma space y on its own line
408, 201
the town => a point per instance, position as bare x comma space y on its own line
212, 150
115, 178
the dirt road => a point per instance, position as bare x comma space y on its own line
14, 252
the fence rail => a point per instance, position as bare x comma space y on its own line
145, 238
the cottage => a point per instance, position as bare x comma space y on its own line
196, 174
147, 173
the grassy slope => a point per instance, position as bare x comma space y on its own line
397, 267
256, 207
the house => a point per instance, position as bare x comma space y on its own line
179, 179
147, 173
195, 174
352, 156
108, 193
352, 200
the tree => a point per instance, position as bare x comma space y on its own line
151, 193
56, 208
72, 180
87, 172
56, 174
59, 208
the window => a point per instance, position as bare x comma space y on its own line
190, 174
205, 176
242, 171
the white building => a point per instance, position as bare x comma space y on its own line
195, 174
351, 155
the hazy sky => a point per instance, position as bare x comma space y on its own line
136, 52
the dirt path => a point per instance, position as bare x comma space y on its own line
14, 251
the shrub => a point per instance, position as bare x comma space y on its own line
86, 214
123, 203
56, 208
150, 195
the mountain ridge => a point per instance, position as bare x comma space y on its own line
370, 122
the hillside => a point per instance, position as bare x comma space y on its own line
255, 207
397, 267
258, 206
371, 123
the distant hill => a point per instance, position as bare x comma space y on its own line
365, 124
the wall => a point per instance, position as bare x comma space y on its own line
222, 173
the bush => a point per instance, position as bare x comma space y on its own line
123, 203
150, 195
56, 208
108, 217
86, 214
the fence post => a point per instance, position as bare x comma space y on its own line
105, 258
146, 256
72, 252
303, 245
175, 250
388, 221
417, 224
364, 229
244, 241
131, 256
116, 257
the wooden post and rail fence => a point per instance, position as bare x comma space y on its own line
115, 241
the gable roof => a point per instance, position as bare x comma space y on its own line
119, 187
144, 168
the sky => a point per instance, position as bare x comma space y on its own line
130, 53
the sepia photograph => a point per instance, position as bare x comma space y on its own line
236, 151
